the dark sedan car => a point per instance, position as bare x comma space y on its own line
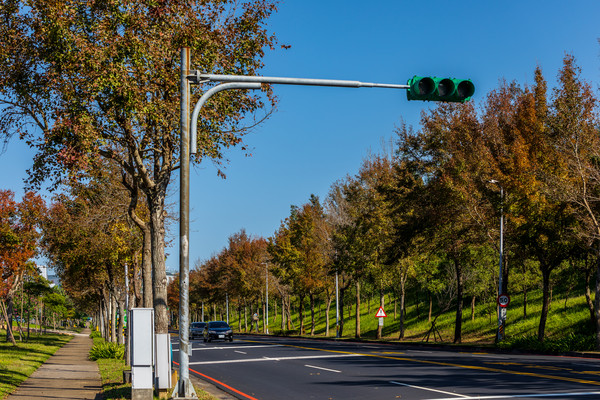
197, 329
216, 330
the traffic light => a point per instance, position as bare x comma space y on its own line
439, 89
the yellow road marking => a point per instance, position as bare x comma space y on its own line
549, 367
446, 364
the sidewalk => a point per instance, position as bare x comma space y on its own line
68, 374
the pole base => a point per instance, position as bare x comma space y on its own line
184, 390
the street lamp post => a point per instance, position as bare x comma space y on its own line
501, 310
337, 307
267, 294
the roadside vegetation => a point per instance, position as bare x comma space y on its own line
568, 325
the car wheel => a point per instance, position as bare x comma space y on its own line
231, 339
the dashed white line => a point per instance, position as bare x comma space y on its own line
205, 347
241, 352
324, 369
429, 389
274, 359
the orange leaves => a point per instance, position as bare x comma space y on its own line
18, 234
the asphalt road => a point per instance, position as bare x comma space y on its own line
265, 368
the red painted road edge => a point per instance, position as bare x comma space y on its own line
221, 383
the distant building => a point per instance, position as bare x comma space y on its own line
48, 274
170, 277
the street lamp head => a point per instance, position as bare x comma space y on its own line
493, 181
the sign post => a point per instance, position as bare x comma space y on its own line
503, 302
381, 315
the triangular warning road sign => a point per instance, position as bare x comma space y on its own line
380, 313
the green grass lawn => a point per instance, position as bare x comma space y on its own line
17, 363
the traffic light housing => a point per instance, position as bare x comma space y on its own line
439, 89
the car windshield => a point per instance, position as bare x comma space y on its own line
218, 324
198, 324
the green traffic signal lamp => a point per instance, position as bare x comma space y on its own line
439, 89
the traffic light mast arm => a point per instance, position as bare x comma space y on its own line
418, 88
198, 77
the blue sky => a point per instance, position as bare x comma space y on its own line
319, 135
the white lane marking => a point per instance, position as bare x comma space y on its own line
521, 396
429, 389
274, 359
324, 369
205, 347
241, 352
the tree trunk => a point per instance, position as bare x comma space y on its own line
402, 305
312, 314
113, 319
283, 313
473, 308
459, 302
357, 316
301, 314
545, 302
159, 273
328, 309
290, 322
525, 303
341, 305
597, 305
588, 297
239, 315
147, 267
9, 332
430, 306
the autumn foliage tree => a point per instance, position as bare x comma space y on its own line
19, 236
86, 80
88, 239
300, 253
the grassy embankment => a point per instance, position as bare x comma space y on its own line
567, 317
17, 363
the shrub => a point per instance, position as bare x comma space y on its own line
107, 350
95, 334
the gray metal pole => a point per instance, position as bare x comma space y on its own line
184, 387
267, 292
501, 317
337, 307
502, 312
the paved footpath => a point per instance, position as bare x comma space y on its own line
68, 374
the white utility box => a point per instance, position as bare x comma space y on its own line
141, 322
